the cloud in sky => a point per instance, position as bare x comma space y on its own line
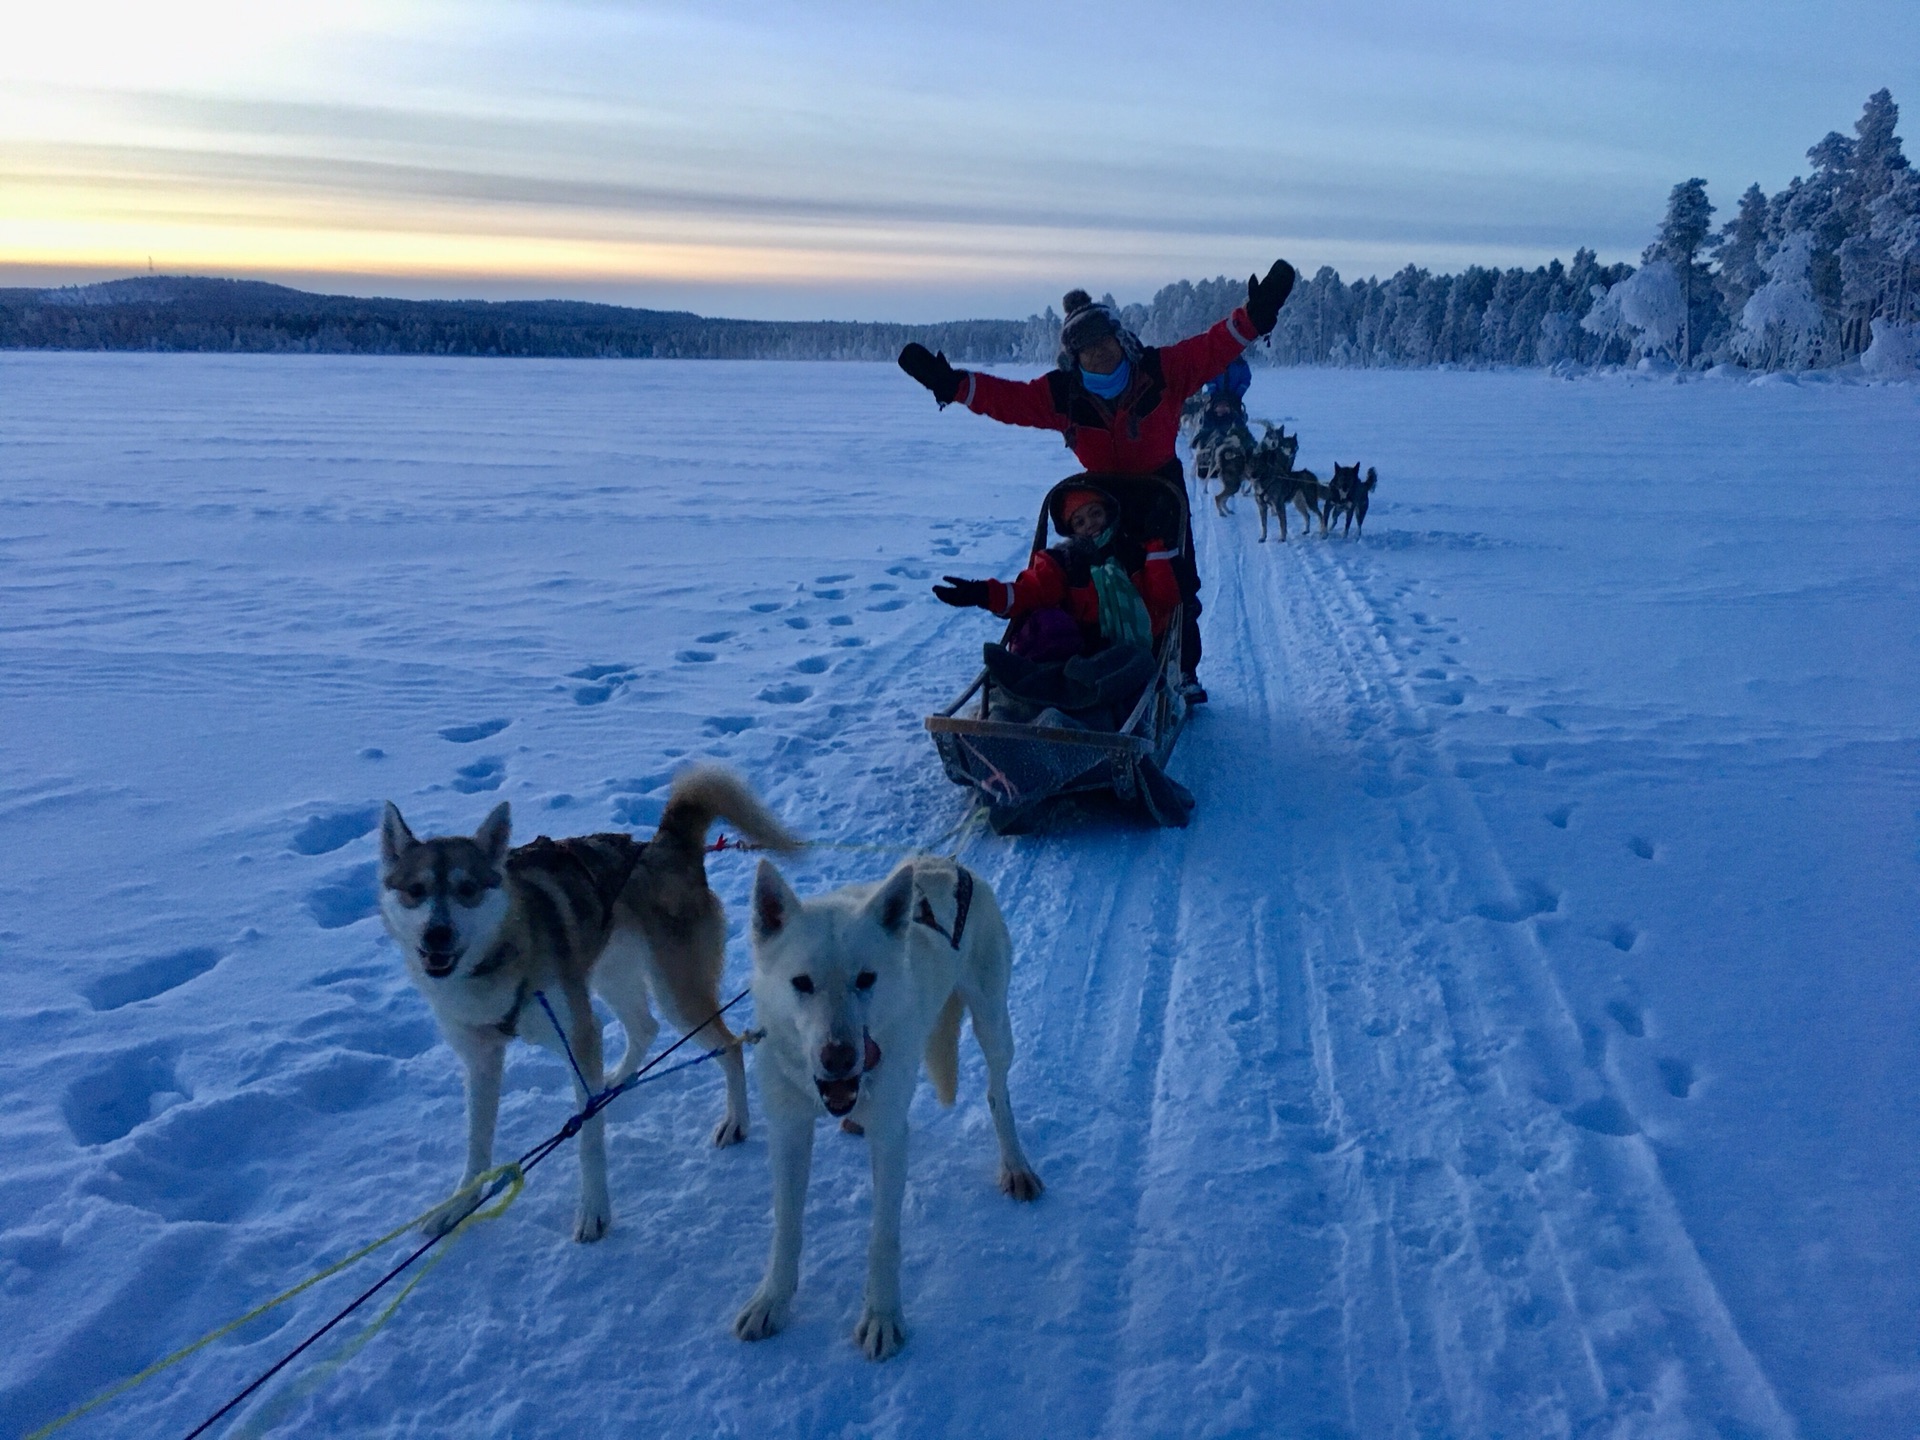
869, 160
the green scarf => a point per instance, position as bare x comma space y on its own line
1123, 614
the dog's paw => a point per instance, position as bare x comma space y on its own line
729, 1132
880, 1334
1021, 1184
762, 1316
445, 1216
591, 1223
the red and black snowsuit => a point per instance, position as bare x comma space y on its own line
1063, 577
1132, 434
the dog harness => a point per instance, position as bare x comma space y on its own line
962, 903
509, 1024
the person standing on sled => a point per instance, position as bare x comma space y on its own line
1118, 402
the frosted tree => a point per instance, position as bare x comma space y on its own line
1782, 324
1737, 250
1682, 235
1652, 303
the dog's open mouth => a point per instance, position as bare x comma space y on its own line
840, 1096
439, 963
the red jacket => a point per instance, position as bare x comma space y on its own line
1132, 434
1045, 583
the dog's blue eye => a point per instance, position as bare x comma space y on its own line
803, 983
864, 980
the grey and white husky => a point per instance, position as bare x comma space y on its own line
485, 929
853, 990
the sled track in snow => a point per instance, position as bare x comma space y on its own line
1438, 1218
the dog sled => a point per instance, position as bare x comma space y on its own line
1017, 767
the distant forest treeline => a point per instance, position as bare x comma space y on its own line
1824, 272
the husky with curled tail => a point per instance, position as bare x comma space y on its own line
486, 930
854, 990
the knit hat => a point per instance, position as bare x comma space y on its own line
1070, 497
1087, 321
1075, 500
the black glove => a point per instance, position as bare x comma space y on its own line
1264, 298
932, 371
963, 594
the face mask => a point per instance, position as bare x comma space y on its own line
1107, 387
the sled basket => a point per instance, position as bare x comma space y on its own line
1016, 768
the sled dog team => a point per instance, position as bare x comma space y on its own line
853, 990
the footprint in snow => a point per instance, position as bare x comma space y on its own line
1531, 898
144, 979
812, 665
120, 1092
480, 776
603, 683
829, 594
728, 724
908, 572
638, 810
1677, 1075
695, 657
1628, 1017
323, 834
345, 897
1605, 1116
764, 607
799, 622
1640, 847
714, 637
830, 579
785, 694
467, 734
886, 606
839, 620
1559, 816
1621, 936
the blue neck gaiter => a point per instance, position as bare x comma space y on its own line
1108, 387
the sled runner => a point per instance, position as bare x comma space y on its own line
1017, 767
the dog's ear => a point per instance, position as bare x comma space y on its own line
494, 832
893, 901
395, 838
774, 903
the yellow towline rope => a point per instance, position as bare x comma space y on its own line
516, 1182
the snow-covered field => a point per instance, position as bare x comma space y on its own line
1523, 1041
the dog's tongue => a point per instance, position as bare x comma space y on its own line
871, 1060
438, 962
840, 1096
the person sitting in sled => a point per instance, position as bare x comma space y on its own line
1224, 419
1088, 614
1118, 402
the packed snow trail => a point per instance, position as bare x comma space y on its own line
1463, 1069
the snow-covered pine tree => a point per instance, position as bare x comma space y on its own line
1737, 251
1682, 235
1782, 324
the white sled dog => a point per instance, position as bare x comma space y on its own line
852, 990
483, 928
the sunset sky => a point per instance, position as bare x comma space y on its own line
902, 162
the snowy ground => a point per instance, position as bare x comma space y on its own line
1522, 1041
